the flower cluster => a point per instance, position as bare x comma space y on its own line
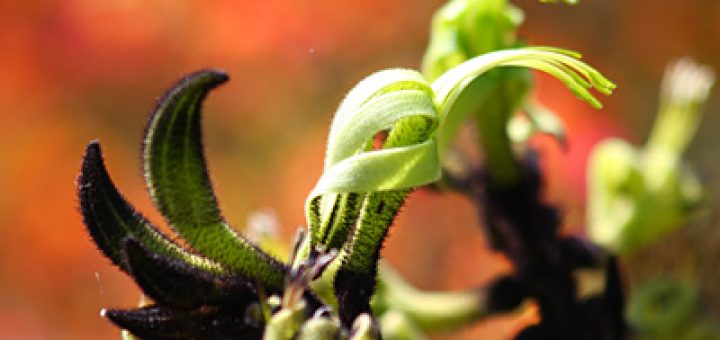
384, 142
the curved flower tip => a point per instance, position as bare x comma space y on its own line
569, 2
561, 64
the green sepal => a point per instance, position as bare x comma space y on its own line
109, 218
177, 178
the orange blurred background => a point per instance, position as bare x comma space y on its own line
75, 70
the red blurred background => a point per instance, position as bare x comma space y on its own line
75, 70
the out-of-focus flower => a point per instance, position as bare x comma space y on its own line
637, 195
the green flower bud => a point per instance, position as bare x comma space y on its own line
285, 324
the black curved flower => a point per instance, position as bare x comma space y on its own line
204, 292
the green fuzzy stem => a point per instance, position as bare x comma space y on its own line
380, 208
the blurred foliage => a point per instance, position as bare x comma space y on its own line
638, 195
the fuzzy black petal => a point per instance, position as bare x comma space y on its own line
109, 218
176, 284
155, 322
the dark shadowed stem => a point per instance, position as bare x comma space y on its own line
525, 229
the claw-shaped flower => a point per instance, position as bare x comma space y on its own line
198, 293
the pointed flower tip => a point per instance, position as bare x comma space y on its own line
603, 85
558, 50
208, 78
91, 167
92, 151
92, 163
114, 315
211, 75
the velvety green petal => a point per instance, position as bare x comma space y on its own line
179, 184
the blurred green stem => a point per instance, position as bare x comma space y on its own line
431, 311
491, 124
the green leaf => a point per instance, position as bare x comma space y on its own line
179, 184
110, 218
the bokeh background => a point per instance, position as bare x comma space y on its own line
75, 70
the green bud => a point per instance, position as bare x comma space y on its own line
285, 324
